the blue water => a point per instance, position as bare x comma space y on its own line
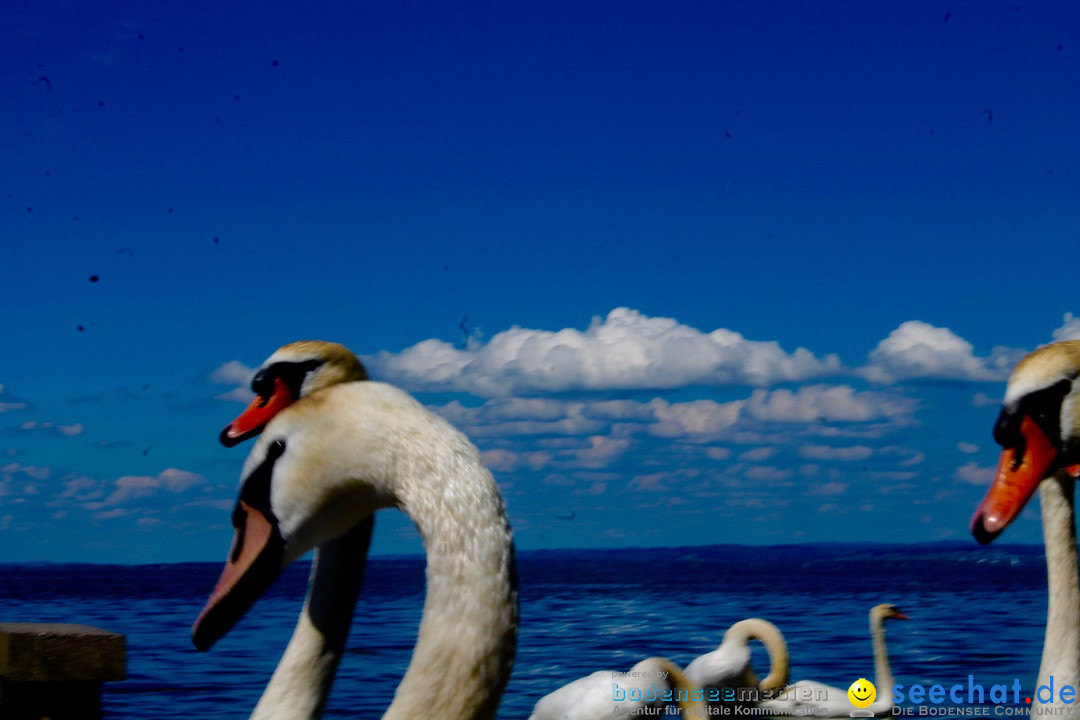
973, 610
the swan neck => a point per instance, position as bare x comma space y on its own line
685, 693
778, 660
301, 683
468, 633
1061, 646
882, 672
773, 640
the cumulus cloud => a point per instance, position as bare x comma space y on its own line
497, 419
828, 452
1069, 330
233, 372
129, 488
53, 428
8, 405
654, 482
966, 447
974, 474
625, 350
236, 373
838, 403
828, 488
718, 453
502, 460
601, 451
21, 480
919, 350
11, 469
699, 420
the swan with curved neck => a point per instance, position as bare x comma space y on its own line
324, 463
808, 697
729, 665
318, 642
649, 689
1039, 431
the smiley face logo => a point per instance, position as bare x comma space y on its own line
862, 693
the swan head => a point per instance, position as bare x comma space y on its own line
1038, 430
293, 371
320, 467
887, 611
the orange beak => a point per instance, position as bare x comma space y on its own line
261, 410
1020, 470
255, 561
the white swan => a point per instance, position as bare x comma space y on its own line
1039, 430
650, 687
729, 665
291, 372
808, 697
324, 463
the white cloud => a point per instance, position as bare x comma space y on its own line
597, 488
917, 459
757, 454
920, 350
497, 418
967, 448
695, 420
502, 460
625, 350
1069, 330
654, 482
12, 469
828, 452
601, 451
236, 373
50, 428
9, 406
81, 489
974, 474
828, 488
237, 394
838, 403
134, 487
718, 453
233, 372
765, 472
177, 480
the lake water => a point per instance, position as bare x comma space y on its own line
974, 611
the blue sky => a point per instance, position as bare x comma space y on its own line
732, 272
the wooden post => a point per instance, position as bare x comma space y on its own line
54, 671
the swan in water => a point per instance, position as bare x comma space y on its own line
650, 687
808, 697
327, 459
1039, 431
729, 665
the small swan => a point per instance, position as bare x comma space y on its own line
811, 698
651, 686
729, 665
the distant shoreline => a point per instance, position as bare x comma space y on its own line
676, 551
